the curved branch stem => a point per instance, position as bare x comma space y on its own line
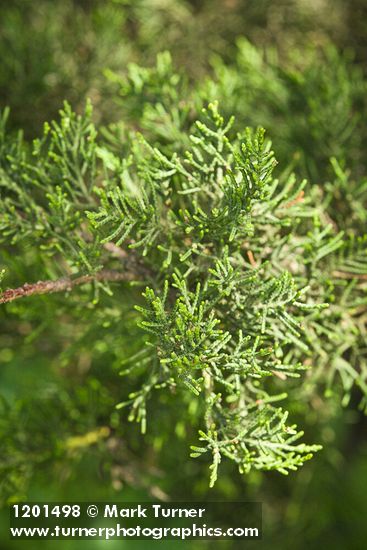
63, 284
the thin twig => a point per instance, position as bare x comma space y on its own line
346, 275
300, 197
63, 284
251, 258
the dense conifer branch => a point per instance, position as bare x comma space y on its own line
251, 282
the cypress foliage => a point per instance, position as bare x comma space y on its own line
243, 287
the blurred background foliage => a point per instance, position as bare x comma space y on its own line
53, 50
298, 68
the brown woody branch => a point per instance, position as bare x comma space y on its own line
63, 284
346, 275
